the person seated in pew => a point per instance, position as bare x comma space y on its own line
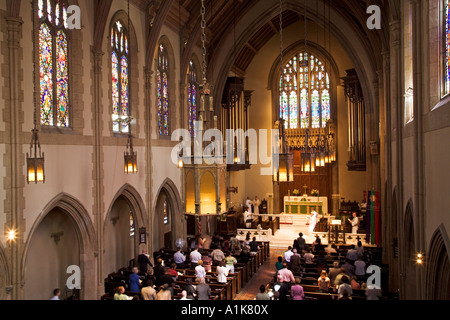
144, 261
222, 272
244, 257
190, 289
226, 245
184, 295
230, 261
345, 296
194, 257
217, 256
360, 268
148, 292
237, 248
203, 290
166, 278
120, 294
355, 284
262, 295
253, 247
286, 275
172, 271
297, 292
134, 282
279, 263
207, 261
309, 257
179, 259
296, 262
333, 272
324, 282
338, 280
281, 288
159, 270
345, 287
331, 248
164, 293
349, 268
200, 271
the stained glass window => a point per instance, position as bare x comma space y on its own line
120, 72
306, 82
192, 97
447, 46
131, 225
165, 213
163, 91
53, 63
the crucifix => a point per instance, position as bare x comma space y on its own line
305, 187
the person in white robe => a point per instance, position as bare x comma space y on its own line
256, 204
313, 221
355, 223
248, 204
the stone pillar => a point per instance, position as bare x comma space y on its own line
148, 156
97, 159
14, 158
397, 125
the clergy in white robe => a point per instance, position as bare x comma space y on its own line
313, 221
256, 204
355, 223
248, 204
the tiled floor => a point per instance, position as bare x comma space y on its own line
263, 276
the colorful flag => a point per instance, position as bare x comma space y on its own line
377, 219
368, 219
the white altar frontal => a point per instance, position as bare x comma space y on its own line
305, 204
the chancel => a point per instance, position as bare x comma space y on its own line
225, 150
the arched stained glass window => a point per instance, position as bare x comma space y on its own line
132, 228
305, 93
53, 63
120, 78
163, 91
165, 213
446, 47
192, 97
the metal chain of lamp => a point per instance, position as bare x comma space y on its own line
35, 159
130, 156
284, 169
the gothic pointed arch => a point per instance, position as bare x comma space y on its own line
438, 265
85, 236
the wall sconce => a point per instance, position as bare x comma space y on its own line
35, 160
419, 258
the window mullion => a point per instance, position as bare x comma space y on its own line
54, 74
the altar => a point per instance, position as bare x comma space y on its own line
305, 204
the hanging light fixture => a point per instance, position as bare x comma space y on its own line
284, 170
35, 159
130, 156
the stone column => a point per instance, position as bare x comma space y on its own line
397, 125
97, 159
148, 156
14, 158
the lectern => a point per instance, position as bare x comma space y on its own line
336, 228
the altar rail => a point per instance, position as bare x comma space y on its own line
260, 234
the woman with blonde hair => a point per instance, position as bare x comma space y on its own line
323, 282
120, 294
200, 271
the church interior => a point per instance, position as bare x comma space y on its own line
131, 126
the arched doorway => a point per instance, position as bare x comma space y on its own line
410, 279
438, 266
64, 231
168, 217
125, 217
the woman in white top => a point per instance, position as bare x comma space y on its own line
313, 221
200, 271
222, 273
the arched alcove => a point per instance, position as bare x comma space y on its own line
64, 231
438, 266
4, 274
126, 215
410, 272
168, 204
